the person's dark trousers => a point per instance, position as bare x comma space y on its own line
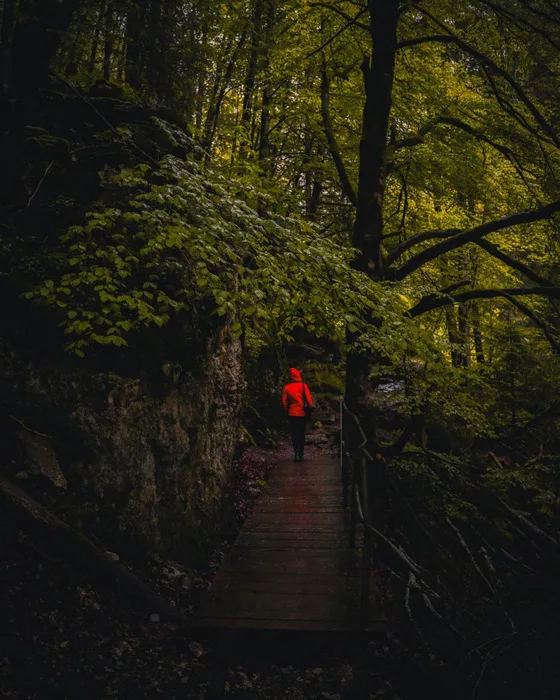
297, 425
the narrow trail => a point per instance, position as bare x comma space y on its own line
290, 567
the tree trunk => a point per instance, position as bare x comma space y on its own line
265, 126
315, 200
378, 74
200, 97
347, 186
109, 41
218, 93
378, 81
135, 44
477, 334
122, 56
264, 134
464, 335
155, 59
455, 337
95, 45
74, 49
251, 76
6, 44
306, 169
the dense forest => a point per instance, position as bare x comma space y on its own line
195, 194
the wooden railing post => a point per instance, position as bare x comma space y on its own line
368, 511
344, 475
365, 491
354, 495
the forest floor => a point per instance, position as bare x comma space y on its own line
65, 637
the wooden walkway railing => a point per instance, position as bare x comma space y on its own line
361, 486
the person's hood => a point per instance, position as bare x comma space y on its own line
295, 375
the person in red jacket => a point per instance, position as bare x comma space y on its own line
297, 402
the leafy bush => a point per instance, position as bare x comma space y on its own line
182, 239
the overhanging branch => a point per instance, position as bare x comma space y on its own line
471, 236
537, 321
396, 253
340, 11
349, 24
434, 301
468, 129
515, 264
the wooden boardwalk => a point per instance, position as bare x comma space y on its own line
290, 568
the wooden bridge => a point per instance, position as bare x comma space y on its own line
291, 567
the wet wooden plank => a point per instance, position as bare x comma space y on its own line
331, 518
290, 568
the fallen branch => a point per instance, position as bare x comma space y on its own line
392, 547
529, 525
407, 600
47, 171
30, 430
466, 547
63, 539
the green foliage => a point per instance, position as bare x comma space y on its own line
183, 240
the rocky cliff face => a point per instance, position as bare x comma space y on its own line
140, 439
148, 458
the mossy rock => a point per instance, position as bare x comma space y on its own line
324, 378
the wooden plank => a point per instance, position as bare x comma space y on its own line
273, 585
329, 518
253, 605
224, 623
283, 541
304, 528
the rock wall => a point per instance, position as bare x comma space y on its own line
150, 460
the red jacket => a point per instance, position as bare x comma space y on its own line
292, 396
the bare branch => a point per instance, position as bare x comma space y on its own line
544, 15
409, 5
419, 137
47, 171
454, 287
511, 156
